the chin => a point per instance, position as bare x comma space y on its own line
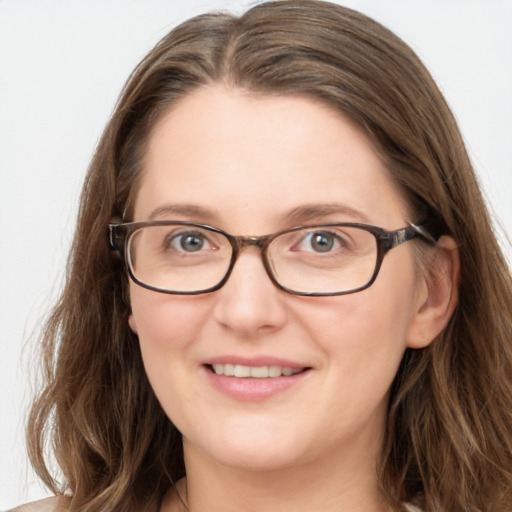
261, 460
251, 448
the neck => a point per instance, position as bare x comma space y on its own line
339, 483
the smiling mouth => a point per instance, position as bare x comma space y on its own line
257, 372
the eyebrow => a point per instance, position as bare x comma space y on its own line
183, 210
312, 212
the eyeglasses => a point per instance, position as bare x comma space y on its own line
186, 258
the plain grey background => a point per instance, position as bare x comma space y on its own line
62, 65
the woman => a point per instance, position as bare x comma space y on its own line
357, 359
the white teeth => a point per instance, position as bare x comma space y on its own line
274, 371
242, 371
219, 369
258, 372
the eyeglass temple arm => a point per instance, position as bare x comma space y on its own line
403, 235
424, 233
113, 238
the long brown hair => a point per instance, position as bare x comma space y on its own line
449, 434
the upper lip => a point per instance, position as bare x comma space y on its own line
255, 361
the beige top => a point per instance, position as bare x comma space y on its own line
51, 505
46, 505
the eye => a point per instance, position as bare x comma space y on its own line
320, 242
189, 241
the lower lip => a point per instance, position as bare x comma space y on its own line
250, 388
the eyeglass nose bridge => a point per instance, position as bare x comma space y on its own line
238, 243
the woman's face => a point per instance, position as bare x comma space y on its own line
254, 165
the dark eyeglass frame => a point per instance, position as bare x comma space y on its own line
119, 235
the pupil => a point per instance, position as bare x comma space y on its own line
191, 243
322, 242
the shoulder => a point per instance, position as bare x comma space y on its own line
54, 504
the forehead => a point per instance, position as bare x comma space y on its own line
243, 157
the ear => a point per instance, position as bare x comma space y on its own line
132, 323
438, 296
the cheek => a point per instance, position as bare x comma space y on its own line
359, 321
363, 335
166, 327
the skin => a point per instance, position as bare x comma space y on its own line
244, 162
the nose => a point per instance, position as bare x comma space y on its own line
249, 304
